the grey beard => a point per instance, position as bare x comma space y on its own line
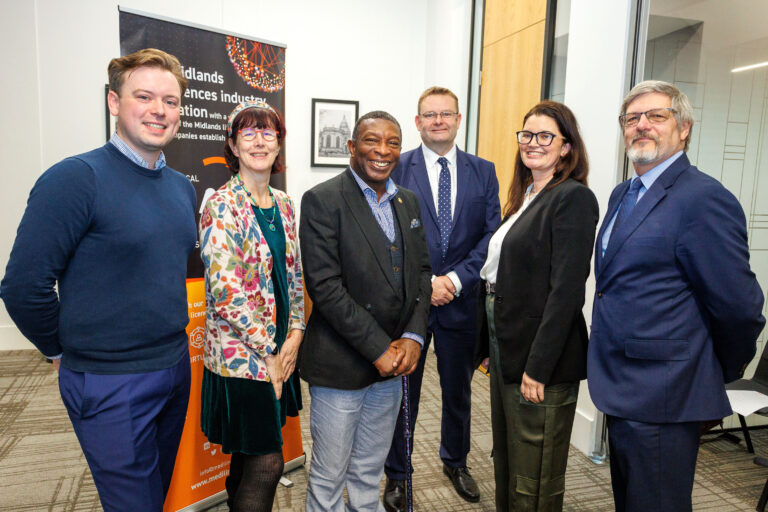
643, 157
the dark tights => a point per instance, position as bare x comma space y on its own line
252, 481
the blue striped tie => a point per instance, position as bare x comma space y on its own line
628, 202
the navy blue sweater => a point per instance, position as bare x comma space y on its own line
115, 237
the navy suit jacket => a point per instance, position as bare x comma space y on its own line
677, 309
476, 216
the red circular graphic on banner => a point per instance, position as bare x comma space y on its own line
262, 66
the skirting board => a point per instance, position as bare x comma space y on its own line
581, 435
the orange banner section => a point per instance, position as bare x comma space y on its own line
201, 467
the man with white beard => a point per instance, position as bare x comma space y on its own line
677, 309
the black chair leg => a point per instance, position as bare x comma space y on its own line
745, 430
763, 499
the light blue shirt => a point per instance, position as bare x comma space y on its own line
381, 208
385, 217
647, 179
134, 156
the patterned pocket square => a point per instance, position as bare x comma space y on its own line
415, 223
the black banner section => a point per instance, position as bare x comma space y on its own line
223, 70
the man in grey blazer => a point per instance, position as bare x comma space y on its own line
367, 271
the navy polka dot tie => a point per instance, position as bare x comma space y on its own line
444, 218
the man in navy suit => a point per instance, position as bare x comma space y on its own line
459, 197
677, 309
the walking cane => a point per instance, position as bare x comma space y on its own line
407, 431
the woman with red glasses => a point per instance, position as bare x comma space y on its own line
255, 309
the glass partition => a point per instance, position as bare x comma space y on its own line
555, 75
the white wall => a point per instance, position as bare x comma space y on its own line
20, 145
596, 102
54, 71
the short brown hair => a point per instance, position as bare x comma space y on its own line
437, 91
259, 118
149, 57
573, 165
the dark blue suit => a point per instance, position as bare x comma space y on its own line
475, 217
677, 311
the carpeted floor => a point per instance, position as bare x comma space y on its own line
43, 469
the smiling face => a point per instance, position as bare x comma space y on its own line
375, 153
147, 109
649, 144
538, 158
256, 155
439, 133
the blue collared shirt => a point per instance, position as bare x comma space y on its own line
381, 208
648, 179
134, 156
382, 212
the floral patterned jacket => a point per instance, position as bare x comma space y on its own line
239, 293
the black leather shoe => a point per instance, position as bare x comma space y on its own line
463, 483
394, 496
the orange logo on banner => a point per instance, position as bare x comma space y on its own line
201, 467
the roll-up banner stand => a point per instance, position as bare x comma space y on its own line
223, 69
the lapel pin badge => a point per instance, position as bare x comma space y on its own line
415, 223
400, 200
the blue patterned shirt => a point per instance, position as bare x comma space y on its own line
381, 208
134, 156
382, 212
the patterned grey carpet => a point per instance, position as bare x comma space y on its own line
43, 469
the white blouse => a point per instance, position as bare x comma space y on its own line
491, 267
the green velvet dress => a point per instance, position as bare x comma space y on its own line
242, 415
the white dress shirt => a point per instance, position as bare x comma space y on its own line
491, 267
433, 173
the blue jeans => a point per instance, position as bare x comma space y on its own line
351, 434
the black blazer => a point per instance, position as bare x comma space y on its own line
540, 289
356, 311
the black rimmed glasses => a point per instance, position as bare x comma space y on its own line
542, 138
250, 134
432, 116
654, 116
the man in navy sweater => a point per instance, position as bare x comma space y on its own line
113, 229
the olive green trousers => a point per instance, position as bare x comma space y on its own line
530, 441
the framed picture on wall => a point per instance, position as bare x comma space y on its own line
332, 123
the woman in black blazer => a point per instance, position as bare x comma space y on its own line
537, 264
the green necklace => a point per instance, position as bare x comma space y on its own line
271, 222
